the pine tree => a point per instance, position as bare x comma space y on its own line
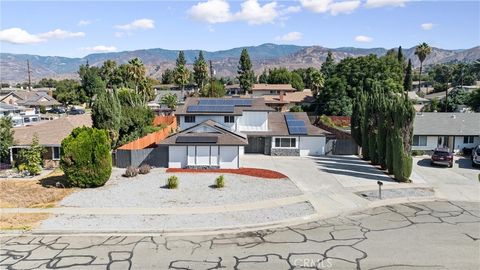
245, 73
263, 77
181, 59
328, 66
407, 82
182, 75
107, 114
200, 70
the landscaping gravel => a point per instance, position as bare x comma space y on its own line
397, 193
195, 189
176, 222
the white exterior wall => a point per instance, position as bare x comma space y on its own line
432, 143
229, 158
177, 156
202, 118
312, 146
253, 121
241, 150
459, 145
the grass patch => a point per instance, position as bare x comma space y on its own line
42, 193
26, 221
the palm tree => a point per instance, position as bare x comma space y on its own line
317, 80
422, 51
170, 100
136, 71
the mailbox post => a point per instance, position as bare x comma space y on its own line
380, 184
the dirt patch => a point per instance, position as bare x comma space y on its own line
262, 173
42, 193
21, 221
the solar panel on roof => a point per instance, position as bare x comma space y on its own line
196, 139
295, 123
289, 117
297, 130
210, 108
233, 102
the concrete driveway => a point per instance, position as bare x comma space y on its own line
459, 182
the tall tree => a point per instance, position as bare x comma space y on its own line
107, 114
316, 81
108, 72
215, 89
181, 61
136, 72
328, 66
200, 70
407, 82
422, 51
263, 78
168, 76
400, 56
6, 133
182, 76
246, 77
91, 82
170, 100
69, 92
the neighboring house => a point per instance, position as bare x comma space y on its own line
20, 115
452, 130
233, 89
217, 132
285, 101
161, 109
418, 102
50, 134
30, 99
262, 89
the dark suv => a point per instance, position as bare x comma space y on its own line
74, 111
442, 156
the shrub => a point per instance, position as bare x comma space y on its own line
220, 182
30, 159
172, 182
86, 159
131, 172
418, 153
144, 169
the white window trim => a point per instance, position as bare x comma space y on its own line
281, 147
53, 153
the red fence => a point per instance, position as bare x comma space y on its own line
153, 138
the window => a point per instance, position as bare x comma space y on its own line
419, 140
26, 120
468, 139
189, 118
56, 153
229, 119
285, 142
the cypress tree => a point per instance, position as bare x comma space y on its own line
200, 70
358, 115
407, 82
365, 124
382, 132
372, 125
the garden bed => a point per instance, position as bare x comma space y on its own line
262, 173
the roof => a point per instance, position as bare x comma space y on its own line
223, 135
268, 87
4, 107
460, 124
412, 95
258, 104
278, 127
33, 98
51, 132
304, 96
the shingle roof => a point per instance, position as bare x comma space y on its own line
258, 104
51, 132
292, 97
225, 136
33, 98
268, 87
460, 124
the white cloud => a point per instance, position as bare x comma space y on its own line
251, 11
100, 48
84, 22
363, 39
138, 24
334, 7
344, 7
427, 26
19, 36
292, 36
60, 34
384, 3
212, 11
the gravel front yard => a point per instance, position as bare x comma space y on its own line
194, 190
176, 222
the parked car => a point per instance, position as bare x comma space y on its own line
442, 156
75, 111
476, 156
57, 110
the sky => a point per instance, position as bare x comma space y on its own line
76, 29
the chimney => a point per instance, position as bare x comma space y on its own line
282, 93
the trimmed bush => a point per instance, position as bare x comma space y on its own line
418, 153
131, 172
407, 168
144, 169
220, 182
85, 157
172, 182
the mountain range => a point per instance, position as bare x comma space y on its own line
13, 67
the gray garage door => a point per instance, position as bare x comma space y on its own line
256, 145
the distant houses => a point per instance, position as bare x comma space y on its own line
29, 99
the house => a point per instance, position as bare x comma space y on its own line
20, 115
452, 130
418, 102
287, 100
30, 99
262, 89
161, 109
50, 134
217, 132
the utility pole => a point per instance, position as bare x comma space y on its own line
29, 76
211, 79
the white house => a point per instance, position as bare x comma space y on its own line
20, 115
217, 132
451, 130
